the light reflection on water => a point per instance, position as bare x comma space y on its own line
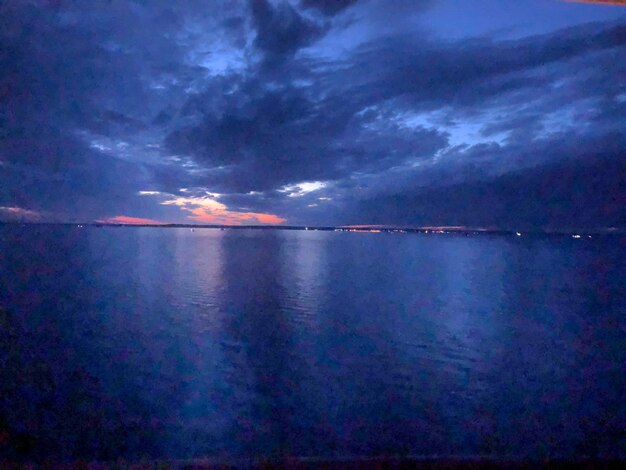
172, 343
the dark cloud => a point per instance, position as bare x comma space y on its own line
576, 195
280, 30
467, 73
328, 7
282, 136
353, 120
66, 81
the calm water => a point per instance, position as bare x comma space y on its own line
169, 343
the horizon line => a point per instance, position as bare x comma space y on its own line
347, 228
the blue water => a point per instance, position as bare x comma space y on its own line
167, 343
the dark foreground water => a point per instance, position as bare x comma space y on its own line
166, 343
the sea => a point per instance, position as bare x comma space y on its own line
165, 343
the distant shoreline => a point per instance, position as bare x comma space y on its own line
577, 233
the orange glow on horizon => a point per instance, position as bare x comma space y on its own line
208, 210
127, 220
268, 218
226, 217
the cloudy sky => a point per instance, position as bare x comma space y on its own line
495, 113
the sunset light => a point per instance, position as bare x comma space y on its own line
127, 220
208, 210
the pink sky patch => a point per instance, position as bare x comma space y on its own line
127, 220
201, 214
208, 210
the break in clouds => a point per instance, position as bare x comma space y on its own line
313, 112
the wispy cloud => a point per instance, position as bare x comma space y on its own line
18, 213
301, 189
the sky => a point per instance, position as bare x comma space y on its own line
489, 113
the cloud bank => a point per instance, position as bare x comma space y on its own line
398, 115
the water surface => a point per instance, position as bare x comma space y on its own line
167, 343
